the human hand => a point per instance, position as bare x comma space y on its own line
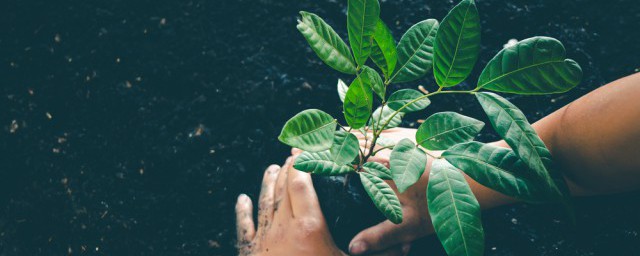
394, 134
416, 222
290, 221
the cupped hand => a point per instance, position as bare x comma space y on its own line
416, 222
289, 218
394, 134
290, 221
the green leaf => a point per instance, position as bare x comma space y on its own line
513, 127
342, 89
378, 169
382, 196
383, 52
385, 142
499, 169
326, 43
362, 16
415, 52
358, 103
454, 210
532, 66
445, 129
408, 96
345, 148
378, 119
373, 79
407, 164
457, 44
320, 163
310, 130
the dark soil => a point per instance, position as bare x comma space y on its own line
129, 127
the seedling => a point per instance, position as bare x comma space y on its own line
449, 49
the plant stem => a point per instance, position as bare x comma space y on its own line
375, 152
436, 157
439, 91
377, 132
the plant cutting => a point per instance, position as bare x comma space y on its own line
449, 50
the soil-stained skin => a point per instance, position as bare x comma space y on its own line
130, 127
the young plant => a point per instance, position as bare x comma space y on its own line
450, 49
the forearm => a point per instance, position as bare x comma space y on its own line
595, 140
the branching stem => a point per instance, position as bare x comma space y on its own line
376, 132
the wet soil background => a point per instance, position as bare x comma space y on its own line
129, 127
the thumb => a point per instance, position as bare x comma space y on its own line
379, 237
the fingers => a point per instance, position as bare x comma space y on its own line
282, 204
304, 201
296, 151
267, 194
244, 220
380, 237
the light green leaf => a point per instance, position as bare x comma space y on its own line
345, 148
499, 169
320, 163
342, 89
358, 103
408, 96
380, 118
407, 164
382, 196
445, 129
513, 127
326, 43
385, 142
383, 52
532, 66
378, 169
362, 16
454, 210
415, 52
310, 130
457, 44
373, 80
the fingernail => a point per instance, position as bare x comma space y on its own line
243, 198
357, 247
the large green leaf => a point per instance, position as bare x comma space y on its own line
373, 79
382, 196
362, 16
378, 118
310, 130
358, 103
533, 66
408, 96
457, 44
499, 169
415, 51
378, 169
445, 129
320, 163
407, 164
326, 43
454, 210
384, 53
342, 89
513, 127
345, 148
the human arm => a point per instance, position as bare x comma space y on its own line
595, 140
